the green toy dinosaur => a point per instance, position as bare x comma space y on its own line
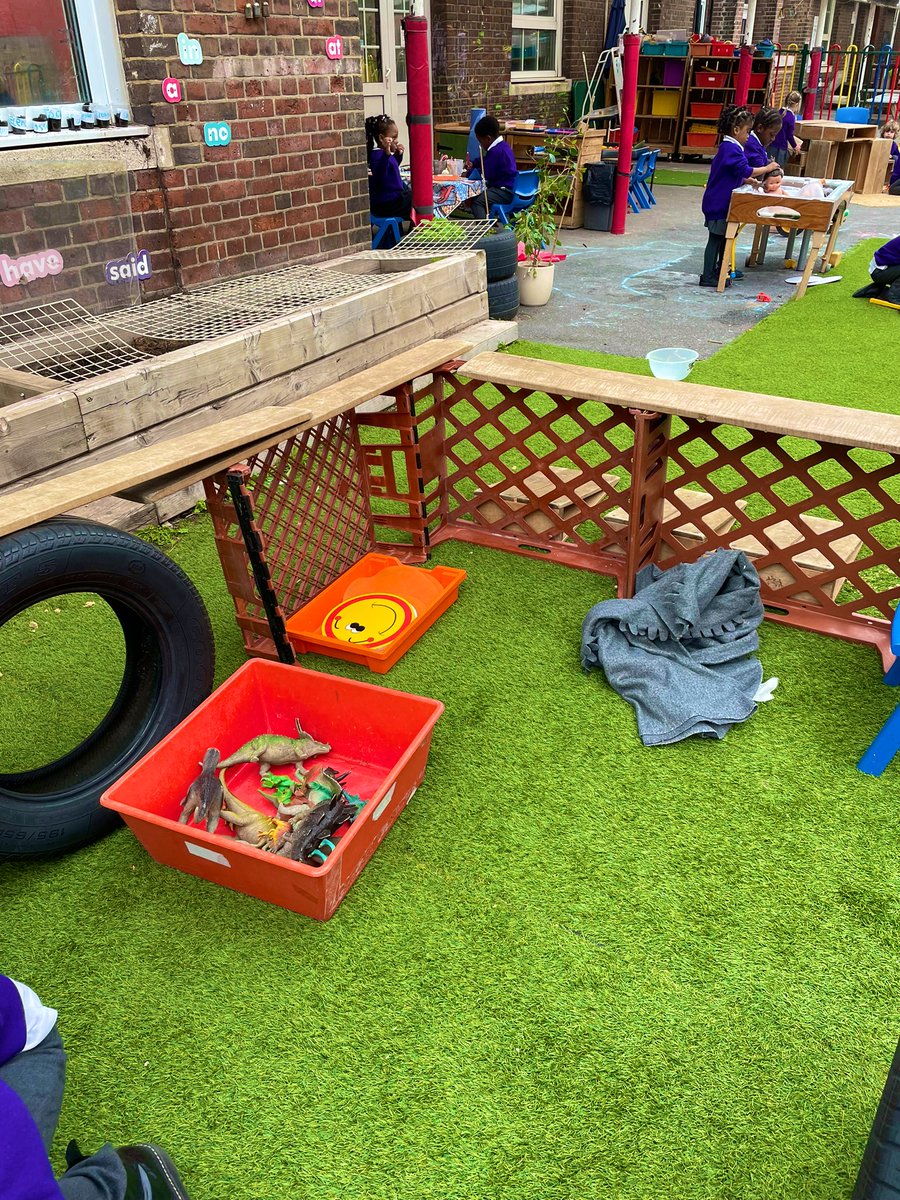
276, 750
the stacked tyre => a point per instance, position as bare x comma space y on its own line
501, 250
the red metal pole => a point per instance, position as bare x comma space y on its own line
812, 83
742, 86
632, 48
418, 99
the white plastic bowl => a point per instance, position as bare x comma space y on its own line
671, 363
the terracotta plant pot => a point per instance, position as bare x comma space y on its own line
535, 283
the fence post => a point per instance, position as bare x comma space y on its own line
646, 508
812, 84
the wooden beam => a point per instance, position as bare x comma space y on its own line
50, 498
21, 385
771, 414
37, 433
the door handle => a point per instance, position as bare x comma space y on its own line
387, 74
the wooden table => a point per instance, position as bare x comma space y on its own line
834, 150
814, 218
523, 143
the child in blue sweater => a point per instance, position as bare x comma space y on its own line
730, 169
500, 168
389, 196
885, 271
785, 143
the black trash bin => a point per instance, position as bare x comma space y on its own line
598, 188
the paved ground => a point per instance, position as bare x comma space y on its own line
631, 294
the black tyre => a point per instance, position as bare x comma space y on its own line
501, 250
879, 1172
503, 298
169, 660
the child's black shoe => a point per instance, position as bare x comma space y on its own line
712, 282
872, 291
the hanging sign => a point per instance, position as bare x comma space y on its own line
132, 266
217, 133
334, 47
29, 267
189, 50
172, 91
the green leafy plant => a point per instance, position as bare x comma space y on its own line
537, 227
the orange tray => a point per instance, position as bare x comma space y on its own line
374, 612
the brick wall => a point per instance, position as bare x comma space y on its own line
291, 185
470, 47
671, 14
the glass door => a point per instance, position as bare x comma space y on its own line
384, 59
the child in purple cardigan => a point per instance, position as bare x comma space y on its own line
32, 1072
500, 169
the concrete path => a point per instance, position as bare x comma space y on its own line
634, 293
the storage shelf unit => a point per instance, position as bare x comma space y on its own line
709, 87
659, 100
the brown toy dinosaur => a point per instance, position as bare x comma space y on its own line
276, 750
250, 825
203, 802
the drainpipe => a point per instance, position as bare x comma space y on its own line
631, 50
742, 84
418, 99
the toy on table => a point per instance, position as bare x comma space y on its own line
375, 611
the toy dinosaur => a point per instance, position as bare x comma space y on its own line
250, 825
203, 802
276, 750
308, 831
285, 789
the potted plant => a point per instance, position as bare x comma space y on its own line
537, 227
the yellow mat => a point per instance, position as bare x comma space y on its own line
878, 201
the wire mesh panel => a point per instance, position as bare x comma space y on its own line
441, 237
311, 511
60, 339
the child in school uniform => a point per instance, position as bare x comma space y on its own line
500, 168
890, 129
785, 143
730, 169
885, 271
389, 196
766, 127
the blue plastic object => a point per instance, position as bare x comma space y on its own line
887, 740
674, 362
852, 116
473, 146
381, 225
640, 193
524, 192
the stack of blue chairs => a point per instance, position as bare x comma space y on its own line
640, 186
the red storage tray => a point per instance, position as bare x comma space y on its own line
757, 80
381, 736
710, 79
425, 596
701, 139
706, 112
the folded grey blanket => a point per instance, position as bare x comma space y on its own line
679, 652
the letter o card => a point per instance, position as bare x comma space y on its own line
172, 91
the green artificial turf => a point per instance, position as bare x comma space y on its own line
680, 178
575, 969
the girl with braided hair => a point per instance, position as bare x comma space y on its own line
389, 196
766, 128
730, 169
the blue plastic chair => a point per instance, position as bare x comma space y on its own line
887, 741
639, 195
524, 192
381, 225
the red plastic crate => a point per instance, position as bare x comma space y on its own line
381, 736
710, 79
706, 112
423, 597
701, 139
721, 49
757, 80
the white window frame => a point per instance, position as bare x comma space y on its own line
101, 50
555, 23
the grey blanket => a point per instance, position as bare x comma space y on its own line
679, 652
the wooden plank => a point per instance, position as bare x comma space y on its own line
129, 400
39, 432
753, 410
21, 385
52, 497
285, 389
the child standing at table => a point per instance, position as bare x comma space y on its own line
766, 128
785, 141
389, 196
500, 168
730, 169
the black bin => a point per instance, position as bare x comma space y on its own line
598, 188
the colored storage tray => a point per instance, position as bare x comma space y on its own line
375, 593
665, 104
673, 74
676, 49
650, 48
710, 79
701, 139
757, 80
381, 736
706, 112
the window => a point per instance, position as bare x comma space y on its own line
59, 53
536, 39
